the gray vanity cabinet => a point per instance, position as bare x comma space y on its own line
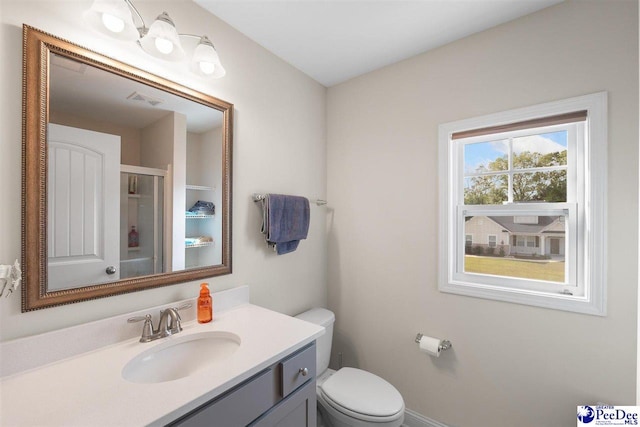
298, 410
283, 395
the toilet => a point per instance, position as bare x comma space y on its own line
350, 397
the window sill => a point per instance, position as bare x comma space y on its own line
576, 304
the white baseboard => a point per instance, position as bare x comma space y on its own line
414, 419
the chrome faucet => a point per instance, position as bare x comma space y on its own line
169, 324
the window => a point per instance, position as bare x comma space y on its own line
531, 184
526, 219
528, 241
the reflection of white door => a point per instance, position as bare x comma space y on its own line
83, 207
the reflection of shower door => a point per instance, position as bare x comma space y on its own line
142, 211
83, 206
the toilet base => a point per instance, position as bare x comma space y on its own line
320, 418
328, 416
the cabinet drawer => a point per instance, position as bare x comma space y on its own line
238, 407
298, 369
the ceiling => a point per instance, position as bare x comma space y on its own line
85, 91
335, 40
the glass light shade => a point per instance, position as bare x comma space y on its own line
113, 23
206, 61
113, 18
162, 40
164, 46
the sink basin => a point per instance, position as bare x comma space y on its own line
179, 357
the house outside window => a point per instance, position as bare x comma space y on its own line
529, 183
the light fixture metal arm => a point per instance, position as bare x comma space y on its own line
135, 10
203, 39
189, 35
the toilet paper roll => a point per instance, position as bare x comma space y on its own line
430, 345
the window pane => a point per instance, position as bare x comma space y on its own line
486, 190
538, 151
548, 186
532, 249
486, 156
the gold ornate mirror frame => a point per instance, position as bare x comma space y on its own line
37, 49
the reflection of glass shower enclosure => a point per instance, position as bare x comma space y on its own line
141, 221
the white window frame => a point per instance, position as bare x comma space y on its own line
495, 240
585, 210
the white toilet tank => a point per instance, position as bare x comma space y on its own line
325, 318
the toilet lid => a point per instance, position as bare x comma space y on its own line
363, 392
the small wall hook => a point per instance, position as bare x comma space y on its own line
10, 275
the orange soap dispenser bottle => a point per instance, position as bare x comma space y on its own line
205, 305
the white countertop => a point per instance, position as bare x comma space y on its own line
88, 389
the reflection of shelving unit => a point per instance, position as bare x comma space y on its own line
199, 254
199, 245
200, 188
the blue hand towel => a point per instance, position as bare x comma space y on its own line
286, 221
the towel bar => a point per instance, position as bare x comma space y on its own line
257, 197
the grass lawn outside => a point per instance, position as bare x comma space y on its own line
552, 271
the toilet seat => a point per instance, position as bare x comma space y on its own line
362, 395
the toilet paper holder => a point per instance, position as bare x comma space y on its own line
444, 345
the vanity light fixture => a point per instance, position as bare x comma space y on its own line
205, 59
115, 18
161, 39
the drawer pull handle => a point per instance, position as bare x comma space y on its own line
303, 371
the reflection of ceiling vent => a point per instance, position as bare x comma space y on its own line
136, 96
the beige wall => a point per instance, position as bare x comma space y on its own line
511, 365
129, 137
279, 146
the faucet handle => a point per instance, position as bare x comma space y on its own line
175, 321
178, 320
147, 328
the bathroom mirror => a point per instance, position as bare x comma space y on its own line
126, 177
